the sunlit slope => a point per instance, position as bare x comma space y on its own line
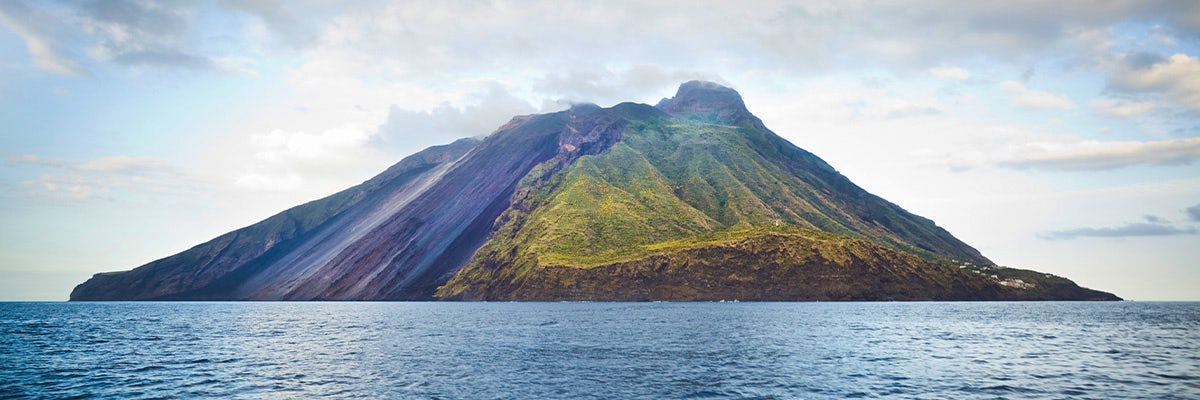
703, 202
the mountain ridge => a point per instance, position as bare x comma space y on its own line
547, 198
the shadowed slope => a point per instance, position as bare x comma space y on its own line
398, 236
212, 262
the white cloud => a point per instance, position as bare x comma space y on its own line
1025, 97
282, 182
1177, 76
101, 178
65, 187
950, 73
35, 28
335, 145
313, 162
603, 85
282, 18
844, 101
891, 108
35, 160
1121, 108
285, 160
124, 164
1093, 155
1136, 229
135, 34
406, 131
142, 34
423, 38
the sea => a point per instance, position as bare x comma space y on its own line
730, 350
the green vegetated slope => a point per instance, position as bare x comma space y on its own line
690, 209
667, 180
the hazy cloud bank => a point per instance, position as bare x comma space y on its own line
1136, 229
99, 178
1092, 155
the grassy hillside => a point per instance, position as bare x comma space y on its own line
671, 185
764, 264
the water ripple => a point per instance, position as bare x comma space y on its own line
600, 350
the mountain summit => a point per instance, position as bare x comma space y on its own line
691, 199
705, 97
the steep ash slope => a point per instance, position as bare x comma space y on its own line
397, 236
196, 272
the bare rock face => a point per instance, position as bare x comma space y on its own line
693, 199
706, 99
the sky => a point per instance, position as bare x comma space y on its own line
1057, 136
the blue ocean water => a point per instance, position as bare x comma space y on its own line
600, 350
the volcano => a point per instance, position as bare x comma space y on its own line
690, 199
